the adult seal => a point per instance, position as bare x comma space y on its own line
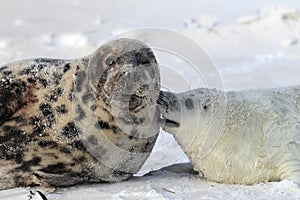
254, 135
92, 119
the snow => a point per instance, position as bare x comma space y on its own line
252, 45
168, 185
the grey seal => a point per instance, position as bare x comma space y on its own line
92, 119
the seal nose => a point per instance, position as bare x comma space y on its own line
168, 106
168, 101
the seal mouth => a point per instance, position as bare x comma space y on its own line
168, 123
171, 123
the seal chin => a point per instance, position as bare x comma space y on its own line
168, 125
171, 123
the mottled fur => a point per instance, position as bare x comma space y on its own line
61, 121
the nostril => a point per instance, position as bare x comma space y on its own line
134, 102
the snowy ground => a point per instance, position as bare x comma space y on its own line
253, 45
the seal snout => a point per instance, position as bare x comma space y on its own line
168, 106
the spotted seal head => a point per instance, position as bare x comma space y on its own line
92, 119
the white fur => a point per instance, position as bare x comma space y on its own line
242, 137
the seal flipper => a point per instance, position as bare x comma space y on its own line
60, 180
290, 169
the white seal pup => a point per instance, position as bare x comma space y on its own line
242, 137
91, 119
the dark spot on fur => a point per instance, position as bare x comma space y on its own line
71, 96
47, 143
47, 112
65, 150
133, 119
43, 82
102, 125
57, 78
62, 109
130, 137
20, 120
53, 96
36, 161
134, 133
206, 105
137, 57
59, 91
26, 165
79, 160
7, 73
15, 135
80, 113
26, 71
93, 107
13, 96
80, 77
78, 145
31, 80
87, 97
115, 129
3, 68
51, 155
147, 147
92, 140
11, 151
67, 67
38, 126
189, 104
70, 130
102, 80
58, 168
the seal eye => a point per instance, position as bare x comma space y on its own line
110, 62
142, 59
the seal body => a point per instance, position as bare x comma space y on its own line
91, 119
242, 137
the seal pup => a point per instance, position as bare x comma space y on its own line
92, 119
242, 137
